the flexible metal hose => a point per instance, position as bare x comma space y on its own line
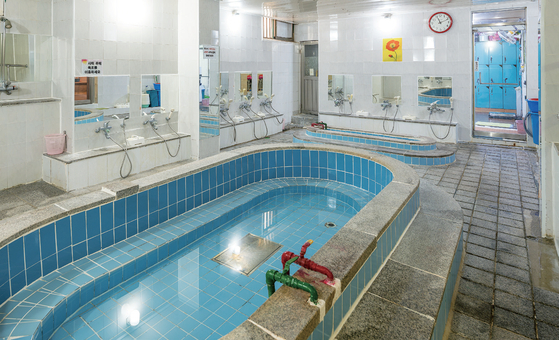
165, 141
393, 119
125, 155
272, 107
449, 123
266, 125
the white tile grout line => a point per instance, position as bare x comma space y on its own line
370, 283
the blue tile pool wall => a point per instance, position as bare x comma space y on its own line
60, 294
385, 244
429, 161
444, 309
371, 141
71, 238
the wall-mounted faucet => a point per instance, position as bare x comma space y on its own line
385, 105
433, 108
106, 128
152, 121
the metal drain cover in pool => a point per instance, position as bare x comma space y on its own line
329, 224
254, 251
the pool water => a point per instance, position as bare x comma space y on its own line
189, 296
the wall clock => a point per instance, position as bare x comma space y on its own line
440, 22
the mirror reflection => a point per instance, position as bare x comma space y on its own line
101, 98
434, 89
210, 81
224, 86
243, 85
28, 57
151, 93
340, 86
387, 88
264, 84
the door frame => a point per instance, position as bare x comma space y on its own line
302, 45
493, 135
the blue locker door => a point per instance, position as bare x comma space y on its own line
510, 74
510, 56
496, 97
484, 69
482, 97
509, 98
482, 52
495, 53
496, 74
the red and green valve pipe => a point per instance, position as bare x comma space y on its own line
306, 263
273, 275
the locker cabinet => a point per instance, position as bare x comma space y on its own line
496, 74
482, 52
495, 53
509, 98
495, 97
510, 53
510, 74
482, 96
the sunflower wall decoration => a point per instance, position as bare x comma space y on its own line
392, 49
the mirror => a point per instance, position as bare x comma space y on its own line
264, 84
224, 83
209, 82
151, 93
101, 98
434, 89
386, 88
28, 58
243, 85
340, 86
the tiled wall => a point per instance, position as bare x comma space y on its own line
385, 244
74, 237
22, 143
354, 46
243, 49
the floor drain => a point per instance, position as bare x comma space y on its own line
329, 224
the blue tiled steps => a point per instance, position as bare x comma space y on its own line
39, 309
441, 155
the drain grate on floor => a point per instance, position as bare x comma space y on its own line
330, 225
254, 251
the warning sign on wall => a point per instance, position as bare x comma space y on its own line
92, 67
210, 52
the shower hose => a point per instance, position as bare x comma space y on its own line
126, 156
449, 125
266, 125
393, 119
165, 141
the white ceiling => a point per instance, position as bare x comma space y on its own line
299, 11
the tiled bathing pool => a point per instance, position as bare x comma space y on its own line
51, 269
188, 296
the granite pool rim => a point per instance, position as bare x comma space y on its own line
369, 223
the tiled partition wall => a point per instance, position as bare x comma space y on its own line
42, 251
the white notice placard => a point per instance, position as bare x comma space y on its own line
92, 67
210, 52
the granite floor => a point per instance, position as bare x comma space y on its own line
510, 283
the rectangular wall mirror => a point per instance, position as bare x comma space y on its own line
28, 58
340, 86
101, 98
243, 85
386, 88
264, 84
151, 93
224, 83
434, 89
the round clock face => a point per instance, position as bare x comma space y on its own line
440, 22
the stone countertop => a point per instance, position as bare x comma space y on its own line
78, 156
28, 101
409, 139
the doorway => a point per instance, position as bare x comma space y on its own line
499, 77
309, 81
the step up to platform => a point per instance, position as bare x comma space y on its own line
408, 149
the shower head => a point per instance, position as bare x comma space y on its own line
7, 23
